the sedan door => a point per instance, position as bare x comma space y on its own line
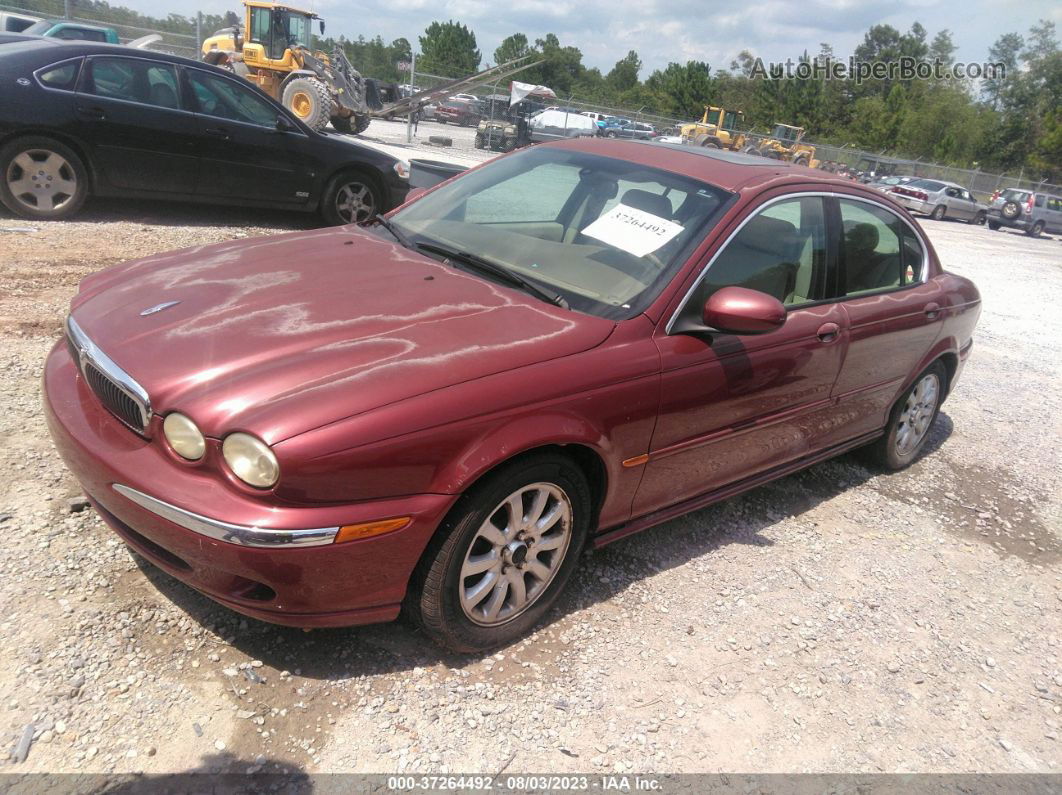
734, 406
958, 207
142, 138
243, 153
894, 313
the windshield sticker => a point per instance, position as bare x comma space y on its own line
632, 230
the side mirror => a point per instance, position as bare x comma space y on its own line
738, 310
284, 124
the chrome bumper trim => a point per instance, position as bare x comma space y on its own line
230, 533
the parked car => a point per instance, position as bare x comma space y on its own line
625, 128
462, 112
1034, 212
562, 347
15, 23
940, 200
72, 31
552, 125
79, 118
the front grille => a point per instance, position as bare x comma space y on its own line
115, 388
114, 398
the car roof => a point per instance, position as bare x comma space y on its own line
76, 47
732, 171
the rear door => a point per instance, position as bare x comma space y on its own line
893, 312
242, 153
1054, 214
142, 137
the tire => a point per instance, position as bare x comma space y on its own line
897, 449
508, 144
42, 179
751, 150
342, 124
361, 123
1010, 210
800, 160
310, 100
444, 603
479, 142
1036, 229
710, 144
352, 197
978, 219
938, 212
993, 225
611, 134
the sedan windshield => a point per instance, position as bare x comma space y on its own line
605, 234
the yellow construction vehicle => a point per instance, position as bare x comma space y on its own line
273, 51
785, 144
718, 128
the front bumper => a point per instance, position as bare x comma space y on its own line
299, 580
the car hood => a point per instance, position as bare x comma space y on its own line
282, 334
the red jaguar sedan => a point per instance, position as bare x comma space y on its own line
557, 349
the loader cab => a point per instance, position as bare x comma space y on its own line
787, 134
278, 29
734, 120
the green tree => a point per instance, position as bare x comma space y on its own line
682, 90
511, 48
448, 49
624, 75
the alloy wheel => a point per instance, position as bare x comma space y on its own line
41, 180
355, 203
515, 554
917, 414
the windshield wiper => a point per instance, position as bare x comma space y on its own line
493, 268
394, 230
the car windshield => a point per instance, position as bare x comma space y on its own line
926, 184
605, 234
298, 28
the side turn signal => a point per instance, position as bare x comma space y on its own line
353, 532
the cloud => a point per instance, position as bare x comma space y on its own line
672, 30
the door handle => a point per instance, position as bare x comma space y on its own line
217, 132
932, 309
828, 332
91, 112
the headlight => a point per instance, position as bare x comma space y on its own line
401, 168
250, 460
185, 439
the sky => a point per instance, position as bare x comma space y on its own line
669, 30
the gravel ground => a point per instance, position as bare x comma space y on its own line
836, 620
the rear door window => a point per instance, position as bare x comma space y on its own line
134, 80
880, 252
62, 76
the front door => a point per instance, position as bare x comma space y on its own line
735, 405
242, 153
894, 314
131, 114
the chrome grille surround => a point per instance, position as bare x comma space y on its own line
118, 391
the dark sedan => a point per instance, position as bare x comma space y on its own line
79, 119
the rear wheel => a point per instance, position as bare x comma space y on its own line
611, 134
800, 160
910, 420
310, 100
506, 553
993, 225
42, 178
351, 198
1036, 229
938, 212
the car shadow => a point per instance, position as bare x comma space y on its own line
331, 654
221, 773
163, 213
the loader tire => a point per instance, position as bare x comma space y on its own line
310, 100
361, 123
342, 124
800, 160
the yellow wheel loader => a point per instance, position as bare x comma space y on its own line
718, 128
785, 144
273, 51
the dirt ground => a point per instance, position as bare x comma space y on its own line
836, 620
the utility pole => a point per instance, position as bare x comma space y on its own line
66, 9
412, 84
198, 33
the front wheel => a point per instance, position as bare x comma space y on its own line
1036, 229
938, 212
610, 135
342, 124
351, 198
309, 99
41, 178
993, 225
504, 555
910, 420
978, 219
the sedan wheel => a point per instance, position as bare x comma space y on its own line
42, 179
504, 554
351, 199
910, 420
938, 212
515, 554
